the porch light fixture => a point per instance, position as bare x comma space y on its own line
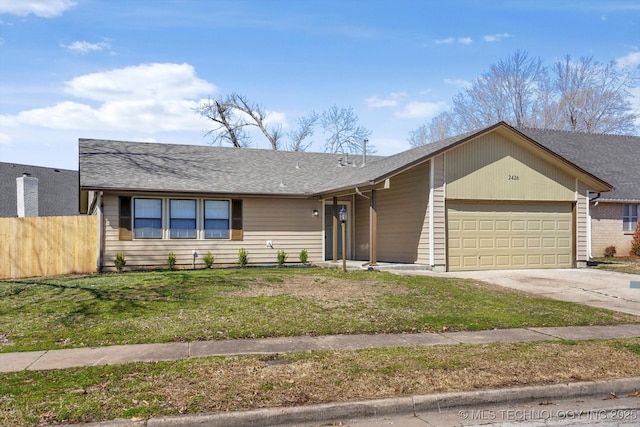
343, 219
343, 215
315, 213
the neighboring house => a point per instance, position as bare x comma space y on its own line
616, 159
37, 191
494, 198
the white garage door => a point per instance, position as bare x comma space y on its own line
509, 236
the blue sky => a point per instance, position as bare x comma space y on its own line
135, 69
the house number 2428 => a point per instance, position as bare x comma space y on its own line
514, 178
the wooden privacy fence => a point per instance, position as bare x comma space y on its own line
47, 246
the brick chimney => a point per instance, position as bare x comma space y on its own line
27, 187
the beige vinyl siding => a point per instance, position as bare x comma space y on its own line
288, 223
401, 215
493, 167
439, 221
361, 227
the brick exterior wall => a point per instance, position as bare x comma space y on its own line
606, 229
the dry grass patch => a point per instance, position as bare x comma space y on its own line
326, 291
217, 384
629, 265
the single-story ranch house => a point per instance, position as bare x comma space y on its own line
495, 198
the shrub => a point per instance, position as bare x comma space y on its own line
208, 260
635, 243
171, 260
282, 257
120, 262
610, 251
304, 255
243, 257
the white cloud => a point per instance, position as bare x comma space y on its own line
42, 8
631, 60
83, 47
148, 81
145, 98
390, 101
458, 82
495, 37
414, 110
452, 40
4, 139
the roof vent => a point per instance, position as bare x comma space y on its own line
282, 184
298, 164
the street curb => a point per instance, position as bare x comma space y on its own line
328, 412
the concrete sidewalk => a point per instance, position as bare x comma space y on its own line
66, 358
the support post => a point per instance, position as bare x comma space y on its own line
335, 229
373, 230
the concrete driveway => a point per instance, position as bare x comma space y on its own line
597, 288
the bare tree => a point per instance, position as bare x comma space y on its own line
509, 91
440, 127
593, 97
228, 127
344, 134
581, 95
258, 116
298, 138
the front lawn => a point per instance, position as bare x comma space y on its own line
620, 264
191, 305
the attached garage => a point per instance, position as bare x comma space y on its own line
494, 236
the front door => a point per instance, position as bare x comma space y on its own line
328, 233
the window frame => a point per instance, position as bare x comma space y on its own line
629, 218
137, 231
227, 236
182, 233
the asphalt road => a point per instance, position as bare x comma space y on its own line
601, 410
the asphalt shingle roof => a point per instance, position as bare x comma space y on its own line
57, 189
204, 169
125, 165
613, 158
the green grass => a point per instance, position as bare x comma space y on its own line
195, 305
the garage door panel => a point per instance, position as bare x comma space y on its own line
501, 236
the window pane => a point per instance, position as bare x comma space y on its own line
216, 219
216, 209
148, 228
148, 208
183, 209
182, 219
216, 229
147, 222
630, 217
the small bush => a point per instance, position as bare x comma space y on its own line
243, 257
120, 262
304, 256
635, 243
282, 257
208, 260
171, 260
610, 251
